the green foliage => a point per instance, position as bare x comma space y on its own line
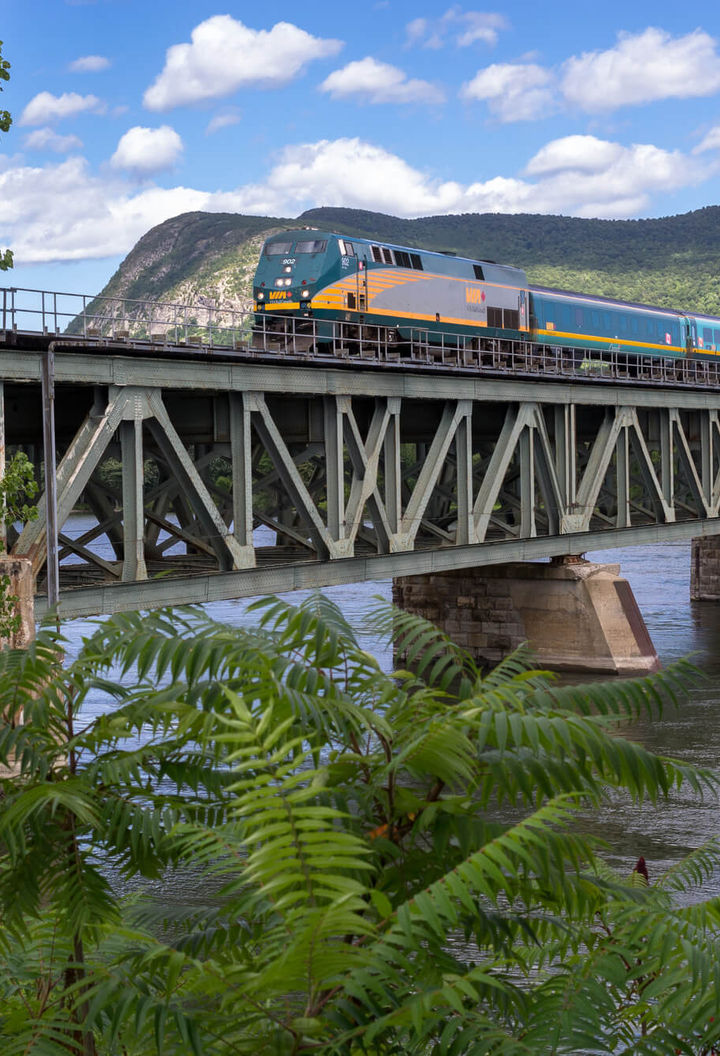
17, 488
6, 257
392, 864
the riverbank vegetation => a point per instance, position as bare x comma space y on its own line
386, 864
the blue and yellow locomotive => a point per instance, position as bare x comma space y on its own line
321, 281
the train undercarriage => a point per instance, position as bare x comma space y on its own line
493, 351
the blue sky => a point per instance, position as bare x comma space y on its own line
128, 113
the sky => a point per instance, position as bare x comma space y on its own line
126, 113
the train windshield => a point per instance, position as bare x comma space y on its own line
277, 249
315, 245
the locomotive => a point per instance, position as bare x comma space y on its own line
319, 281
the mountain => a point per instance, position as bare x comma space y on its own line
209, 258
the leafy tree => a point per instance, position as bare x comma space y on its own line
390, 864
6, 257
17, 487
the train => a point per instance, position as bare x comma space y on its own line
323, 283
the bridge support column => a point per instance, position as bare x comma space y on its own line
705, 568
575, 615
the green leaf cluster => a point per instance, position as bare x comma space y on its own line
17, 488
384, 863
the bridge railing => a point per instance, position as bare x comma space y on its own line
207, 324
116, 318
432, 346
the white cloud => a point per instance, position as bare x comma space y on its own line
513, 92
592, 179
585, 154
46, 107
463, 27
710, 141
221, 121
144, 151
226, 55
89, 64
587, 176
379, 82
639, 69
63, 211
47, 139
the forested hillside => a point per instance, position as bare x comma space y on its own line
670, 262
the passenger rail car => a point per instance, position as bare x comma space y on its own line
334, 286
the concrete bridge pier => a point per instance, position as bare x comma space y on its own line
575, 615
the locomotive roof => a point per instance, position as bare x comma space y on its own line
445, 258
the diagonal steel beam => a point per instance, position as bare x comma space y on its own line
75, 470
365, 459
229, 553
595, 472
547, 475
516, 422
293, 483
663, 510
688, 463
451, 416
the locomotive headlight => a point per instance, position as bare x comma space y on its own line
279, 282
288, 269
306, 293
288, 282
261, 296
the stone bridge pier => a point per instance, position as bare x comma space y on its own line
574, 614
705, 568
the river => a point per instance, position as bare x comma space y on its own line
659, 576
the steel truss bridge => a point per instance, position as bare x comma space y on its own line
222, 460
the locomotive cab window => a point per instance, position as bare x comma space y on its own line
477, 268
315, 245
278, 249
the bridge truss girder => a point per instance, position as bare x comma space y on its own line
330, 482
